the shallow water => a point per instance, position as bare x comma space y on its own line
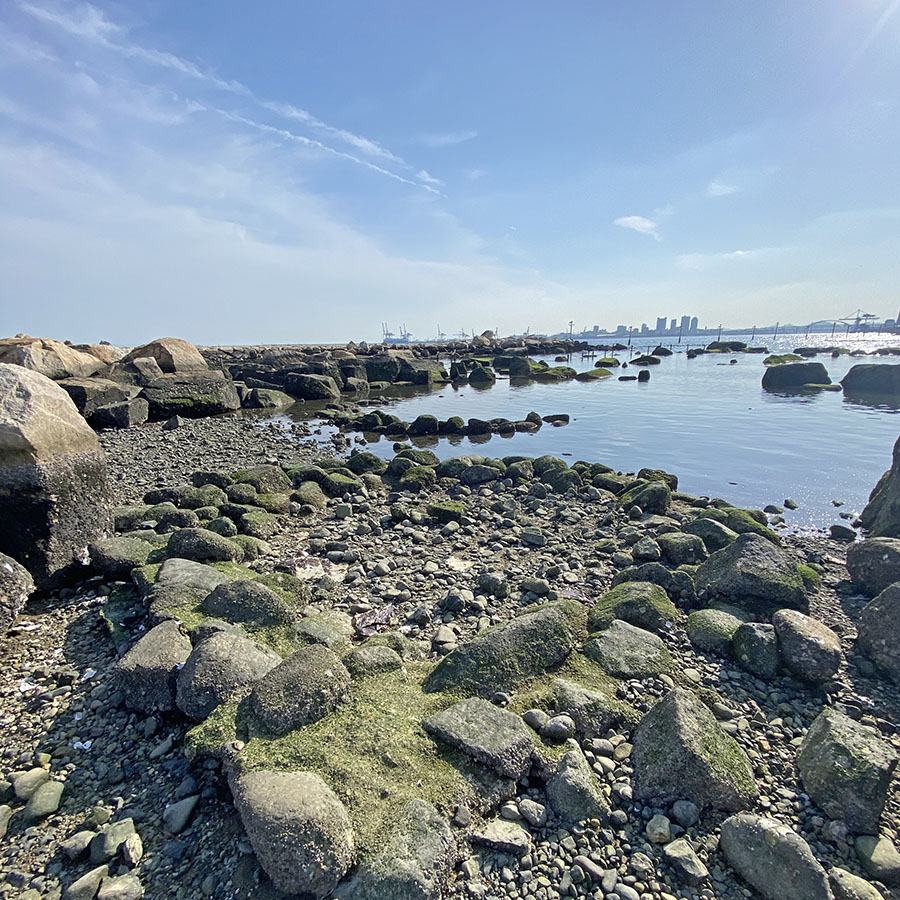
704, 419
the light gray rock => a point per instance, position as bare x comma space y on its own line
115, 557
772, 859
43, 802
688, 867
879, 857
249, 603
298, 828
85, 888
681, 753
415, 862
28, 782
847, 886
809, 648
16, 584
503, 836
146, 674
217, 669
874, 564
124, 887
574, 792
713, 630
372, 659
593, 711
490, 735
177, 815
54, 498
302, 689
756, 649
628, 652
203, 545
846, 769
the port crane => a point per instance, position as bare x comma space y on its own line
859, 320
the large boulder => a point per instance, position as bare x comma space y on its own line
47, 357
298, 828
311, 387
492, 736
302, 689
173, 355
203, 545
874, 564
640, 603
872, 378
15, 586
792, 376
809, 648
753, 573
574, 790
755, 647
146, 673
881, 516
501, 657
89, 394
248, 602
877, 630
217, 669
193, 395
594, 712
54, 498
772, 859
846, 769
681, 753
414, 863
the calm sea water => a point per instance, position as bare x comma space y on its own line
704, 419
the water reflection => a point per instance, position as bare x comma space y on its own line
881, 402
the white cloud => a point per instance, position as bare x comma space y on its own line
720, 189
426, 178
702, 261
447, 139
474, 174
640, 224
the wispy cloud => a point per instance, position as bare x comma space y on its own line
640, 224
447, 139
426, 178
475, 174
702, 261
720, 189
91, 25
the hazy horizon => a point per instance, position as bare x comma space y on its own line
303, 174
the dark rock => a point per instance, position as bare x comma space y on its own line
756, 649
872, 378
115, 557
713, 630
200, 394
15, 586
121, 415
793, 376
248, 602
311, 387
146, 673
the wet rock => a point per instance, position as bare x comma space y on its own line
492, 736
311, 387
681, 753
415, 862
16, 585
299, 830
248, 602
753, 573
628, 652
54, 498
203, 545
574, 791
498, 659
217, 669
302, 689
846, 769
146, 673
874, 564
810, 649
793, 376
772, 859
872, 378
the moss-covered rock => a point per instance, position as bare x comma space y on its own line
259, 524
361, 463
593, 375
447, 511
740, 521
680, 549
651, 496
265, 479
713, 630
628, 652
503, 656
715, 535
639, 603
310, 494
417, 478
419, 456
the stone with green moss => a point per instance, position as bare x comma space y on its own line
681, 753
593, 375
782, 359
259, 524
417, 478
273, 503
316, 630
639, 603
562, 480
266, 479
713, 630
521, 470
504, 656
252, 547
128, 518
812, 580
452, 468
309, 493
207, 495
336, 484
680, 549
553, 373
753, 573
715, 535
610, 481
372, 659
362, 463
593, 711
741, 521
115, 557
650, 496
447, 511
420, 457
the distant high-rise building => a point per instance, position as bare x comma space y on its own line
685, 323
674, 325
661, 324
695, 322
596, 329
644, 328
621, 329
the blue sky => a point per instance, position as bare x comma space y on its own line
271, 172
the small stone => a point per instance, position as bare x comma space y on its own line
125, 887
133, 849
503, 836
176, 816
536, 718
85, 888
533, 812
685, 813
559, 728
688, 868
659, 830
27, 783
44, 802
879, 857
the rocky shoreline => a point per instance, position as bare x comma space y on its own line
477, 678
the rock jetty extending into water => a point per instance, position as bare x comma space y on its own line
280, 672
